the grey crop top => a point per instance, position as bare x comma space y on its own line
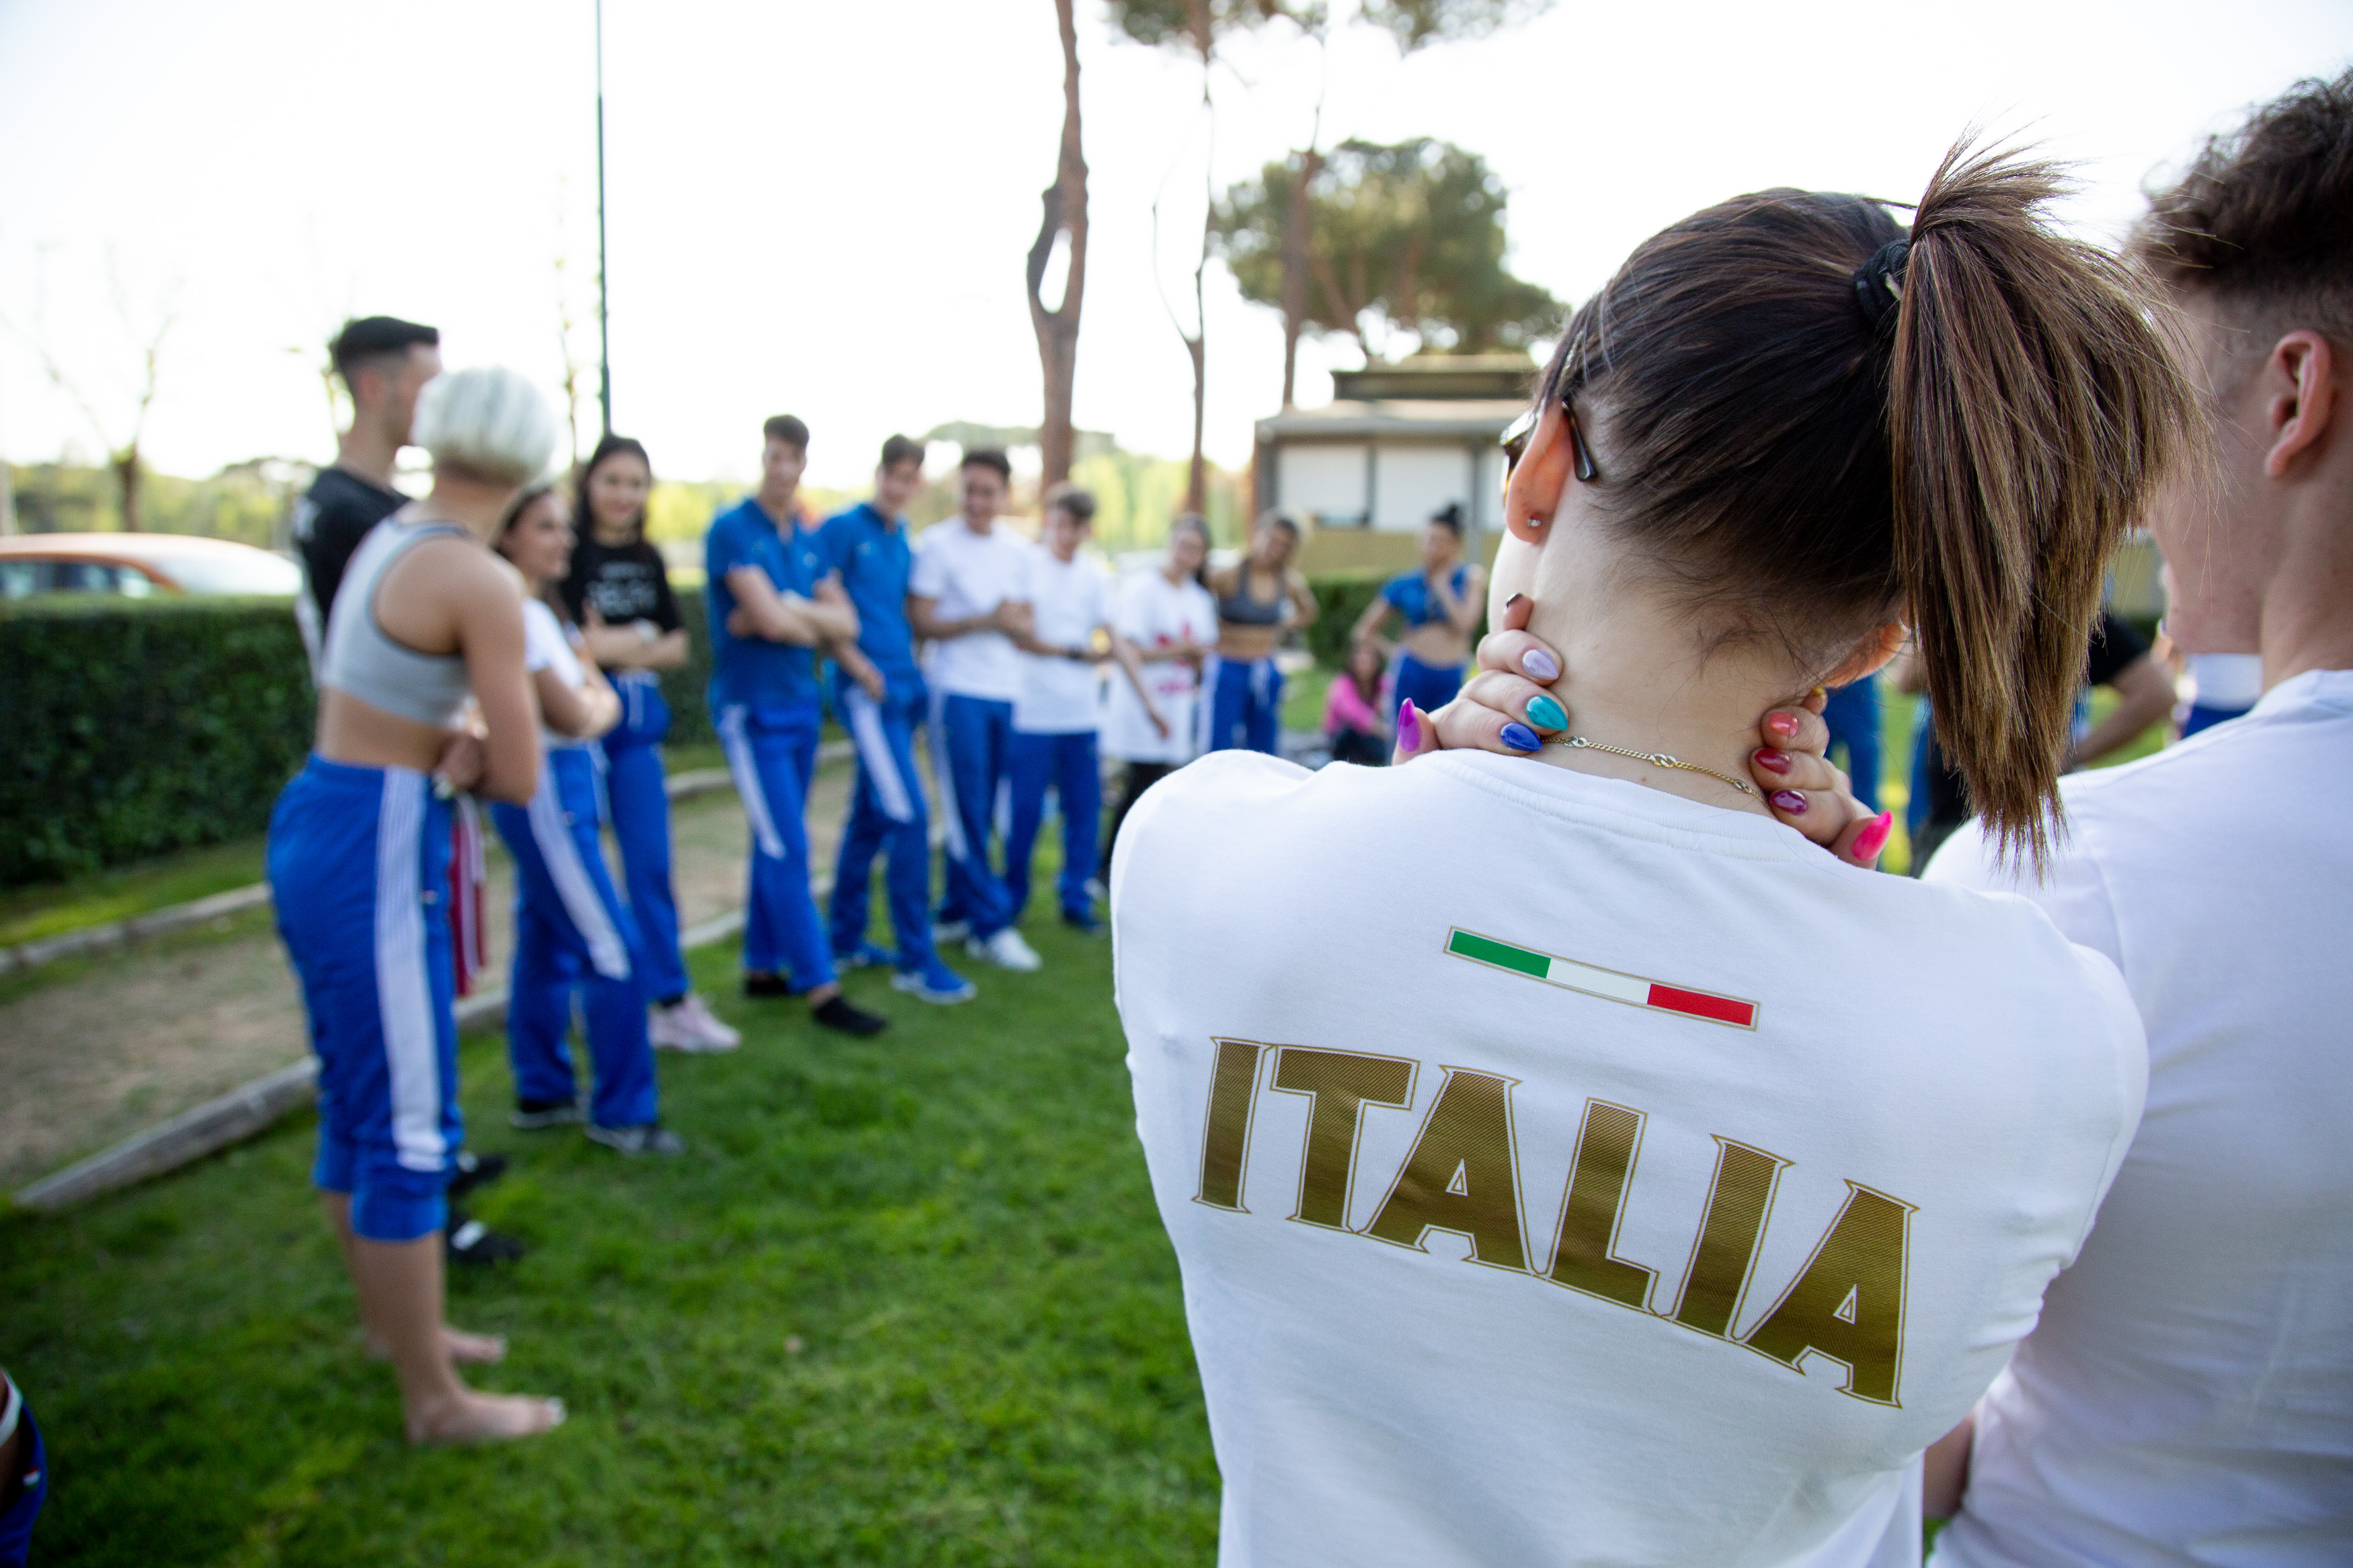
363, 661
1238, 608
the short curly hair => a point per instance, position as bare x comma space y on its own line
2263, 219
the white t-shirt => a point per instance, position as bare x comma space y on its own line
1154, 613
1069, 600
2189, 1396
1866, 1174
970, 574
548, 643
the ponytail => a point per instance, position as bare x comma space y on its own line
2032, 408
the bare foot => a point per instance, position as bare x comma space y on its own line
462, 1346
471, 1418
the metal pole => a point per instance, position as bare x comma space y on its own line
604, 328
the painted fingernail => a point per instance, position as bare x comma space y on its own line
1547, 714
1873, 838
1520, 737
1819, 692
1784, 725
1408, 726
1540, 665
1772, 761
1513, 600
1789, 800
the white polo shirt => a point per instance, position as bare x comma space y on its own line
1540, 1194
548, 644
1155, 615
970, 574
1069, 599
2187, 1397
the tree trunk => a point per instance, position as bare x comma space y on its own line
125, 465
1065, 203
1306, 165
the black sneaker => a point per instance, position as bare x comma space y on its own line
646, 1137
470, 1242
531, 1115
767, 985
1085, 925
474, 1171
835, 1012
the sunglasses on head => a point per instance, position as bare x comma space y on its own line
1516, 434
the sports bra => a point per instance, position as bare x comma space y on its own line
1410, 592
1238, 608
363, 661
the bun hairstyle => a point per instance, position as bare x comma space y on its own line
607, 448
488, 424
1449, 517
1806, 423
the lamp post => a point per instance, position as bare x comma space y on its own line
603, 327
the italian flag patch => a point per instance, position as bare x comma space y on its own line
1633, 990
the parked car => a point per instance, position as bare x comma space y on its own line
137, 565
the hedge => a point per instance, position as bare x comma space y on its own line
143, 726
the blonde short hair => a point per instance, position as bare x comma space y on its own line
488, 423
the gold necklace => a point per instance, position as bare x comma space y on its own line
1657, 759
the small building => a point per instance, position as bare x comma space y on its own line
1397, 443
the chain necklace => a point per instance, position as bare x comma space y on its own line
1657, 759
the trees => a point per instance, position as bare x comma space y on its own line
145, 330
1065, 219
1402, 238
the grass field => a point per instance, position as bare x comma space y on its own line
904, 1300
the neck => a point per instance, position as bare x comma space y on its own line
777, 503
1175, 574
977, 526
367, 451
2306, 617
476, 508
1638, 677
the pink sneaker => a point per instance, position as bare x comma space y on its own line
687, 1025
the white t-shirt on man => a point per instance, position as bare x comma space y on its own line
969, 574
1155, 613
547, 644
1378, 1018
1068, 599
2187, 1397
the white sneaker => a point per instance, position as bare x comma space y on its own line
1007, 951
690, 1025
1096, 891
951, 930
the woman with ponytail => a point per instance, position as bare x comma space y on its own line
1749, 1243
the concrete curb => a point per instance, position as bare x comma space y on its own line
236, 900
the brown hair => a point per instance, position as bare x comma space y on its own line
550, 592
608, 449
1076, 501
2263, 219
785, 427
1797, 455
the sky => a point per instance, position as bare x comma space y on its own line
824, 209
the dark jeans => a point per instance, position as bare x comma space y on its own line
1139, 777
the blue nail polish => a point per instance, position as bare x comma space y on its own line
1520, 737
1547, 714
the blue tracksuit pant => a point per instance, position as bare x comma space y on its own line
359, 867
1245, 705
1429, 686
1069, 762
971, 741
887, 816
772, 752
33, 1474
1853, 714
636, 791
572, 929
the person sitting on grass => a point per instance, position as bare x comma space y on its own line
1353, 705
359, 860
1729, 1222
572, 929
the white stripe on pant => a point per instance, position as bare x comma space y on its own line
943, 775
746, 774
891, 791
553, 836
403, 989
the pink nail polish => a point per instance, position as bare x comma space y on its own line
1773, 762
1790, 801
1873, 838
1408, 726
1539, 665
1784, 725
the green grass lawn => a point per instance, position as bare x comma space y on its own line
904, 1300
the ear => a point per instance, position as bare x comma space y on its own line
2303, 398
1542, 478
1881, 645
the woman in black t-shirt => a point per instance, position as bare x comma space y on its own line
618, 592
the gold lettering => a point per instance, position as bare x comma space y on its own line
1462, 1176
1338, 1085
1725, 1249
1584, 1258
1225, 1132
1848, 1303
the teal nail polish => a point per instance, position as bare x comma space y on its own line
1547, 714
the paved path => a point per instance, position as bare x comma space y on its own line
144, 1033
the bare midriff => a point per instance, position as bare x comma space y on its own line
1436, 644
365, 736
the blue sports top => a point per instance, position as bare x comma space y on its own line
755, 670
875, 560
1410, 592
